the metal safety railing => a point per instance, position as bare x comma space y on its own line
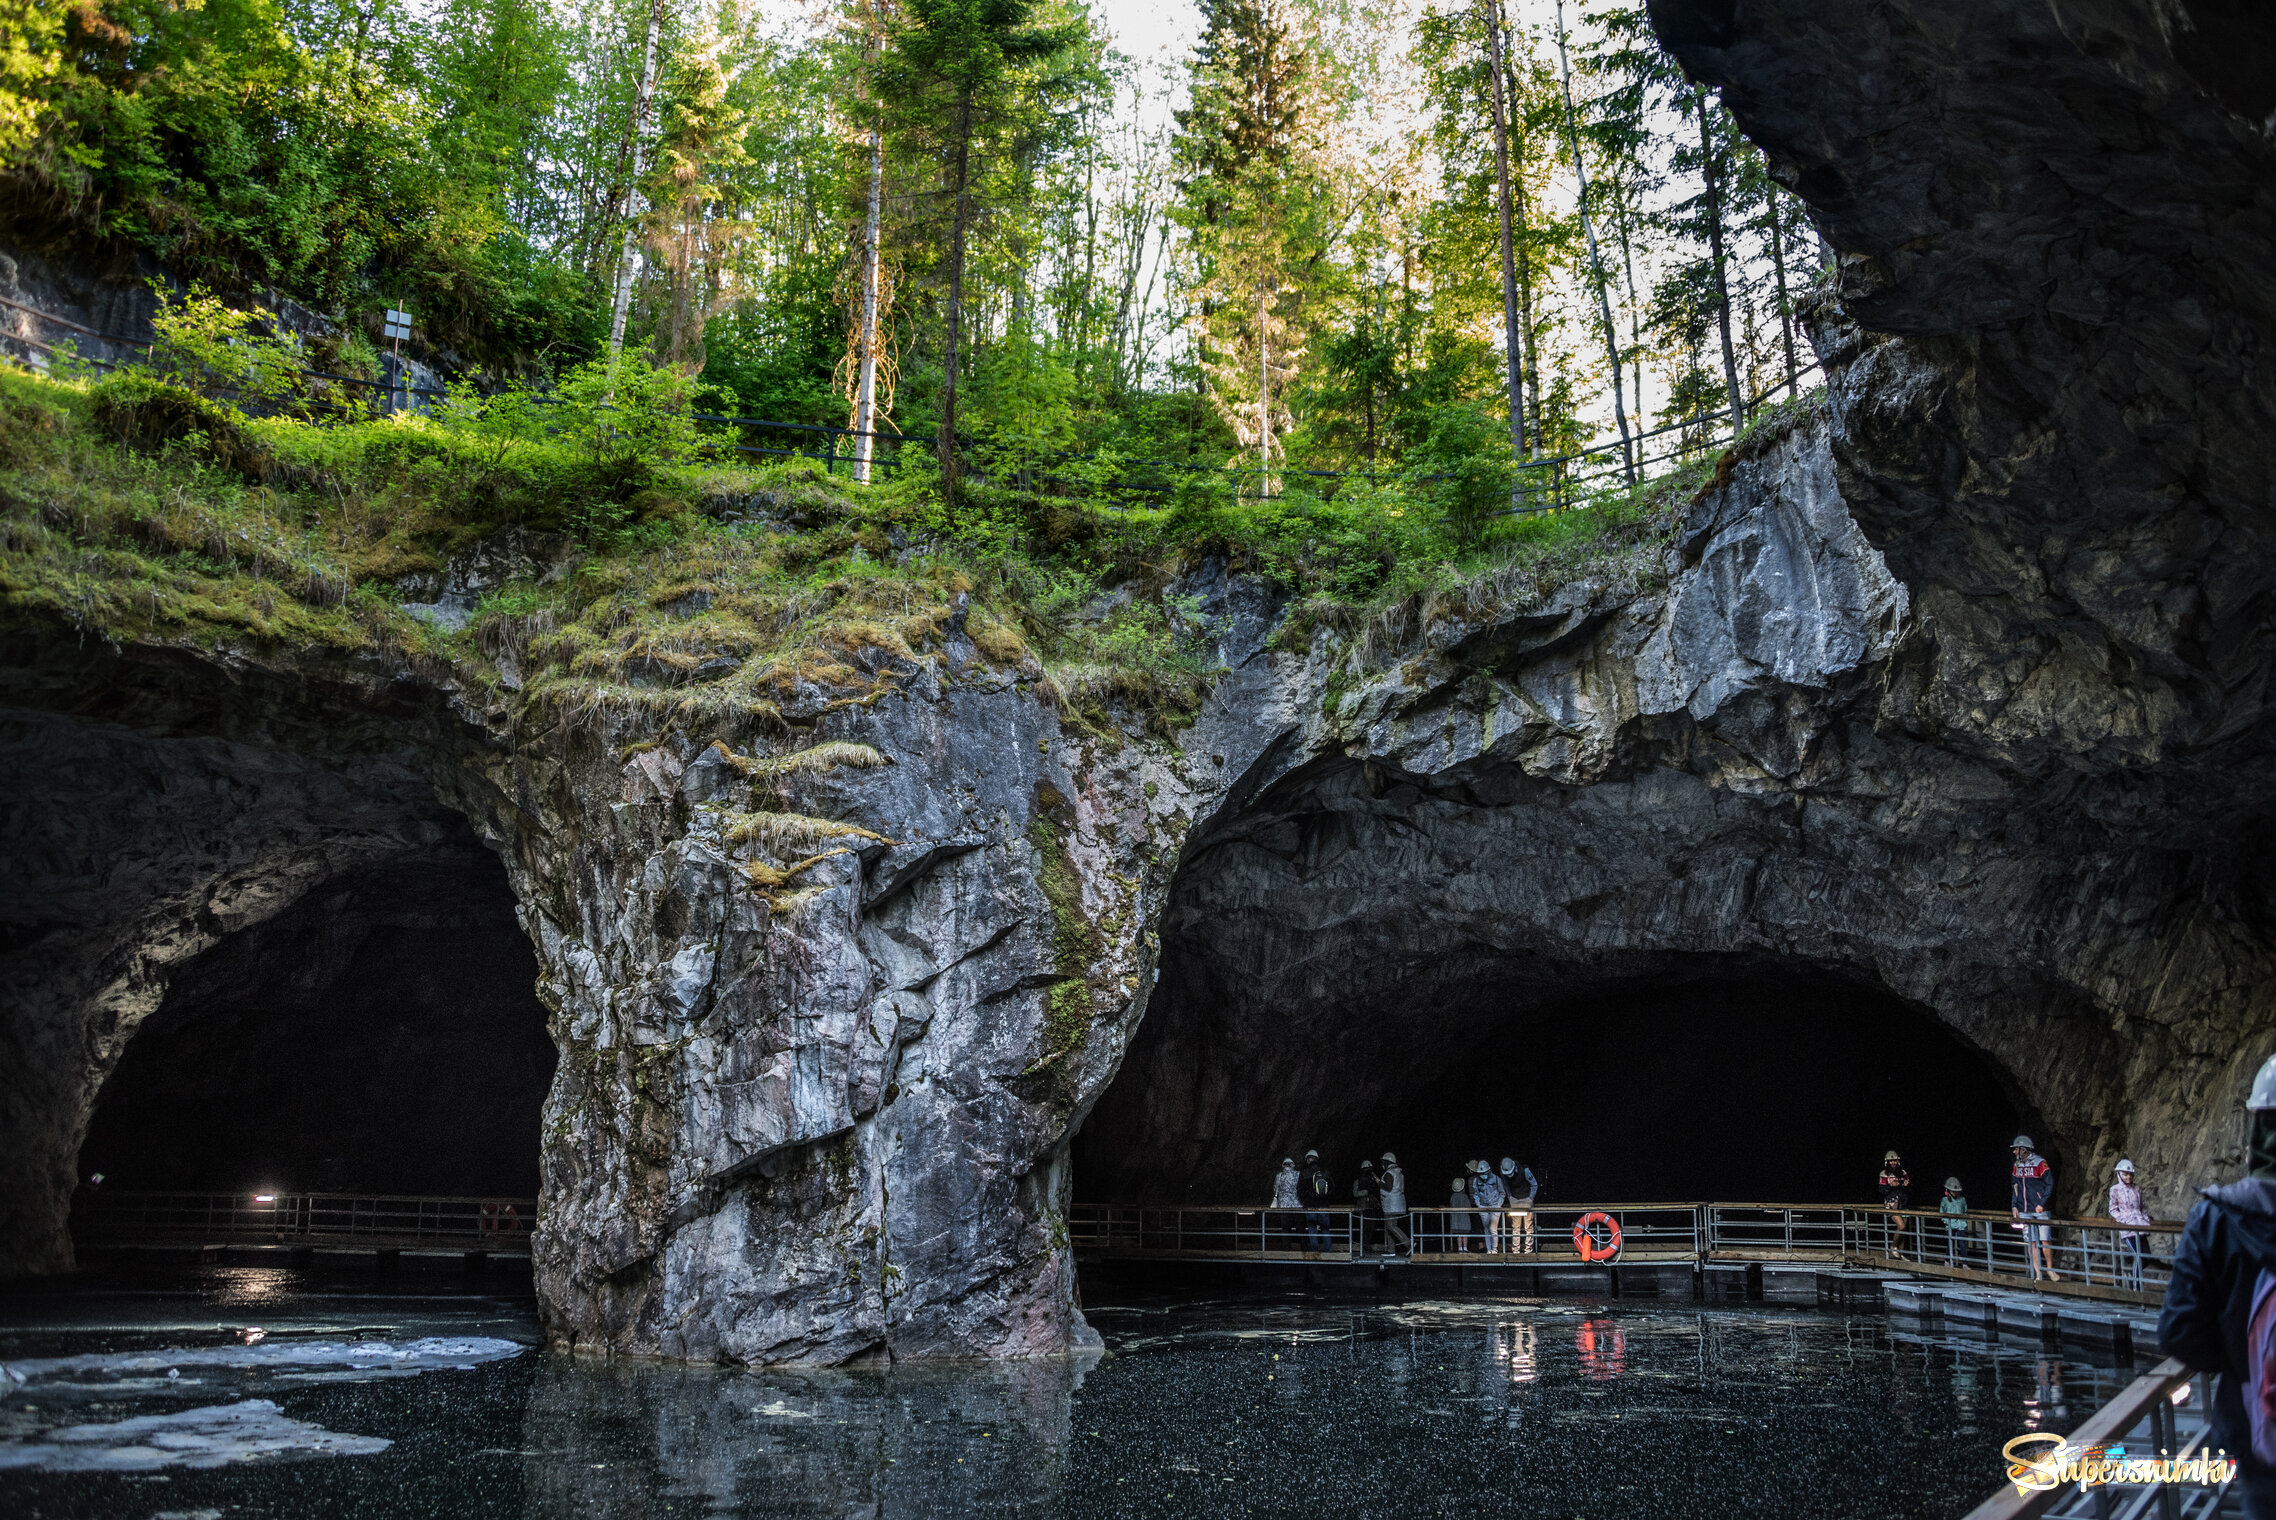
1637, 1232
2096, 1258
1329, 1234
2143, 1454
379, 1221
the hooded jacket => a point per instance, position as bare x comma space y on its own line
2230, 1238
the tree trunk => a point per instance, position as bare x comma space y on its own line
1515, 346
1715, 252
1785, 302
1264, 390
637, 129
947, 443
865, 386
1624, 225
1595, 259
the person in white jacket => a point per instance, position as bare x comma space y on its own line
1393, 1184
1280, 1231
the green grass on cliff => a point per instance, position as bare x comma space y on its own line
131, 512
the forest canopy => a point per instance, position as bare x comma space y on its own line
1408, 239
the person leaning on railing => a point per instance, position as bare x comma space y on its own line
2221, 1278
1487, 1191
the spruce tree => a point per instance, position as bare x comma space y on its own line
967, 84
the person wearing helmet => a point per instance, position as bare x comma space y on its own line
2031, 1187
1277, 1223
1521, 1188
2126, 1208
1896, 1191
1391, 1184
1318, 1190
1491, 1197
1366, 1211
1954, 1207
2215, 1298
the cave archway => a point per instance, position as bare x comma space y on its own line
1362, 962
379, 1035
1717, 1077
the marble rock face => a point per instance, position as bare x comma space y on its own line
1954, 686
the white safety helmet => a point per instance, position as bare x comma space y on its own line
1311, 1155
1951, 1184
1289, 1162
2023, 1143
1389, 1159
2124, 1166
1509, 1166
2264, 1086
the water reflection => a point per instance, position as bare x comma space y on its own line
608, 1439
1200, 1408
2045, 1408
1603, 1349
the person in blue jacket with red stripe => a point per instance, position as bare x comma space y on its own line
2030, 1191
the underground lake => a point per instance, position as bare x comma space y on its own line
258, 1391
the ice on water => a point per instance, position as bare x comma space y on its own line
214, 1436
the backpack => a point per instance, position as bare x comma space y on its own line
2260, 1367
1316, 1183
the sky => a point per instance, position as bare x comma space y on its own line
1146, 28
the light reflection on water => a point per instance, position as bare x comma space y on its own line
1549, 1406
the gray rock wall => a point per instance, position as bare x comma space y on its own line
1956, 689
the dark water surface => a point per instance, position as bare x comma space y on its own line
1550, 1407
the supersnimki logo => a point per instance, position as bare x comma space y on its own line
2041, 1460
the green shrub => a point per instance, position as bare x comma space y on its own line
153, 414
241, 359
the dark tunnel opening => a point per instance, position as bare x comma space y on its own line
380, 1035
1712, 1078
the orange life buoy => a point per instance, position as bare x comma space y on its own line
1586, 1243
500, 1219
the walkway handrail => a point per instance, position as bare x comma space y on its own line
2086, 1257
2153, 1399
220, 1218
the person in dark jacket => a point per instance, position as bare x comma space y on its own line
1367, 1217
2229, 1241
2031, 1187
1317, 1190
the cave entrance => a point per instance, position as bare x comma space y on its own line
1698, 1077
380, 1035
